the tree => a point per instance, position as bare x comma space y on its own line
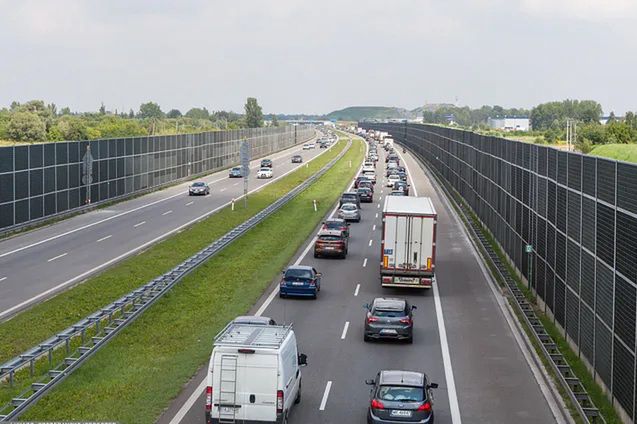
102, 109
198, 113
26, 126
72, 128
611, 117
65, 111
114, 126
174, 113
275, 121
254, 114
150, 110
131, 114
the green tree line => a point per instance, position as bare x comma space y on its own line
36, 121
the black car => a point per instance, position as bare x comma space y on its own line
365, 194
297, 159
400, 397
402, 175
198, 188
350, 197
366, 183
266, 163
389, 318
358, 180
402, 186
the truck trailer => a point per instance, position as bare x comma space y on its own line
408, 244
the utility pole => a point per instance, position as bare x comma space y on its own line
571, 133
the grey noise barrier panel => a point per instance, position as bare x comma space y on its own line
579, 215
110, 320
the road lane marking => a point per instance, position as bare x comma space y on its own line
409, 173
105, 238
326, 394
344, 334
378, 206
374, 227
58, 257
358, 287
3, 278
376, 215
235, 184
166, 213
223, 189
139, 223
190, 203
365, 263
370, 243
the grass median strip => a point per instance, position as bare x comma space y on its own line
57, 313
134, 378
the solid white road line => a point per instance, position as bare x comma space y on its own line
223, 189
326, 394
365, 263
378, 206
376, 215
358, 287
58, 257
166, 213
344, 334
130, 252
3, 278
190, 203
104, 238
413, 186
374, 227
370, 243
235, 184
139, 223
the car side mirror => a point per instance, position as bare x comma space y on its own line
366, 306
370, 382
433, 386
318, 274
283, 272
414, 307
302, 359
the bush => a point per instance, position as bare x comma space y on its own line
26, 126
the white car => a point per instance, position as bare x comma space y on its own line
264, 173
371, 176
368, 168
392, 179
308, 146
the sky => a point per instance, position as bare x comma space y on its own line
298, 56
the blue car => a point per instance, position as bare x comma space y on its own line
300, 280
236, 172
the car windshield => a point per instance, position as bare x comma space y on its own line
198, 184
348, 207
401, 393
298, 273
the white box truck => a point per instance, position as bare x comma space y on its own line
254, 374
388, 142
408, 244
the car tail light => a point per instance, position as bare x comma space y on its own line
425, 407
208, 398
407, 321
371, 319
376, 404
279, 401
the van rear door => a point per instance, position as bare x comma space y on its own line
257, 386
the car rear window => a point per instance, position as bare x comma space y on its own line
349, 207
198, 184
401, 393
298, 273
329, 238
389, 313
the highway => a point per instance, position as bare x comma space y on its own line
463, 339
37, 264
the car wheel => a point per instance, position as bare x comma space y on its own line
281, 295
298, 395
316, 255
410, 340
366, 338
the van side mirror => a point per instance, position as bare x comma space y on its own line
370, 382
302, 359
433, 386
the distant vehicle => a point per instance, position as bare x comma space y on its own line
400, 397
397, 193
389, 318
300, 280
266, 163
365, 194
236, 172
350, 197
402, 186
392, 179
371, 176
366, 183
408, 242
336, 224
254, 320
297, 159
198, 188
254, 374
368, 168
349, 212
359, 179
264, 173
402, 175
392, 158
308, 146
324, 145
331, 243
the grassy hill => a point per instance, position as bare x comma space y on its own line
356, 113
625, 152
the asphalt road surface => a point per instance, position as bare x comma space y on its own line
461, 338
40, 263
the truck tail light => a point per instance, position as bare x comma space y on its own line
386, 279
208, 398
425, 281
279, 401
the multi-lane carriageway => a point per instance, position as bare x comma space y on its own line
464, 339
40, 263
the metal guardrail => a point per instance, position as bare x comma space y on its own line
569, 381
110, 320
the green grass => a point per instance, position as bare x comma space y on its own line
57, 313
625, 152
135, 377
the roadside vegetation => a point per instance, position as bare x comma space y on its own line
136, 376
625, 152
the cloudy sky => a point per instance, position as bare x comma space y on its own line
300, 56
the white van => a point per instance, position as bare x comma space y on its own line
254, 374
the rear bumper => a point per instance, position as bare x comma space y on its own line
373, 419
300, 292
331, 252
210, 420
401, 333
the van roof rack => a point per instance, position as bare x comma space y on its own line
252, 335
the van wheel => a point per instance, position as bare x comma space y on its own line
298, 395
285, 418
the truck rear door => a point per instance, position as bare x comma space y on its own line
422, 239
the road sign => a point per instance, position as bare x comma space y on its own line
245, 158
529, 248
87, 171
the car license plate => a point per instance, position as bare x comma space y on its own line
388, 332
329, 248
408, 280
400, 413
297, 283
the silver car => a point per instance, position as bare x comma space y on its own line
349, 212
389, 318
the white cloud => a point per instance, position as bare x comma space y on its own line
591, 10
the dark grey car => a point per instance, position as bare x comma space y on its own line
389, 318
400, 397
